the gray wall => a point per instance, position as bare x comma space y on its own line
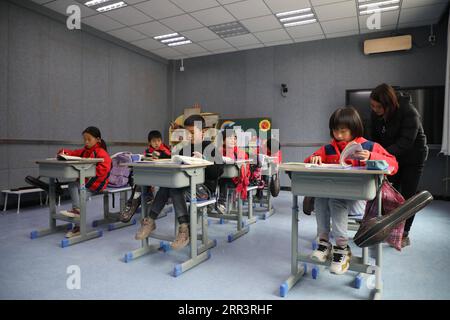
55, 82
247, 83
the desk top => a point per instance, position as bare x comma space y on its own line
165, 165
300, 167
70, 162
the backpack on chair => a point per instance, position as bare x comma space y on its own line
120, 173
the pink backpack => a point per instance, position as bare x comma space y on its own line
390, 199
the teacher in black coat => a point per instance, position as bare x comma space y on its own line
396, 125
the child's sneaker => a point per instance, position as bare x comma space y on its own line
322, 252
182, 239
221, 208
341, 260
72, 213
129, 210
147, 226
74, 232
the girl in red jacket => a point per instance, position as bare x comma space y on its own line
94, 147
345, 126
231, 152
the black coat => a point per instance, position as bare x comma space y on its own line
402, 134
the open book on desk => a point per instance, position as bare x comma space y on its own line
179, 160
348, 153
65, 157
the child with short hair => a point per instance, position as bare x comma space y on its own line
156, 150
94, 147
194, 124
345, 126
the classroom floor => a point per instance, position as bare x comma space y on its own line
252, 267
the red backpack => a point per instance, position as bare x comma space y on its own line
390, 199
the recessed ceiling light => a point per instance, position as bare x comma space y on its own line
378, 3
172, 39
303, 16
288, 13
173, 44
298, 23
370, 11
94, 2
295, 18
164, 36
112, 6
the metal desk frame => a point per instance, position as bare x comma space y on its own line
358, 264
266, 208
232, 171
154, 174
79, 170
112, 218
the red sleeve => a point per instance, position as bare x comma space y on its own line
320, 152
165, 149
76, 153
379, 153
103, 168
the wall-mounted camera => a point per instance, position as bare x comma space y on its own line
284, 89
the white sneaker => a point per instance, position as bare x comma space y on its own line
72, 213
220, 208
341, 260
322, 252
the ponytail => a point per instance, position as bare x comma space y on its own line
103, 144
95, 132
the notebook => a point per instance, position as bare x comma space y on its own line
65, 157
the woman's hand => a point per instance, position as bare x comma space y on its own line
362, 155
316, 160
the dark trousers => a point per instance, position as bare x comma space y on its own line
406, 182
224, 184
178, 200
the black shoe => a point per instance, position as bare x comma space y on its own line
129, 210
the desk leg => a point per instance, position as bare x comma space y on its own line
206, 242
6, 202
52, 211
251, 218
295, 273
269, 211
240, 229
195, 258
84, 234
145, 248
379, 256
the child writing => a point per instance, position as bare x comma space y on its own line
156, 150
345, 126
94, 147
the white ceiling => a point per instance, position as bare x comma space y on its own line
141, 20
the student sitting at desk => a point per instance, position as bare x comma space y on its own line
345, 126
94, 147
156, 150
231, 151
194, 125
